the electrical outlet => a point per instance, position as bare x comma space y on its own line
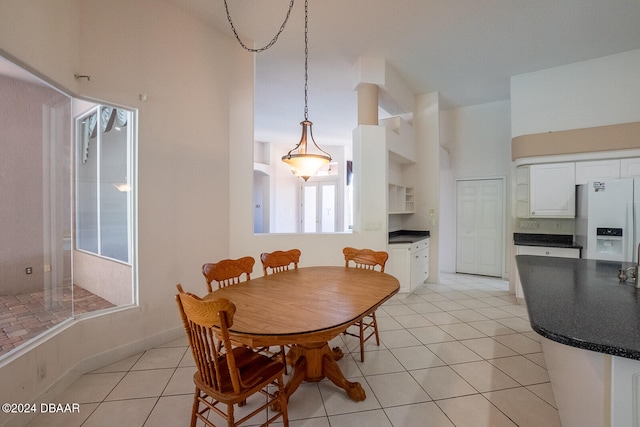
47, 268
528, 224
28, 270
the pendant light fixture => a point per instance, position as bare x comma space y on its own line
303, 163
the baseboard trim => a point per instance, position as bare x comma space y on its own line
92, 363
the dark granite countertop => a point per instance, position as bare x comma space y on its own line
548, 240
581, 303
407, 236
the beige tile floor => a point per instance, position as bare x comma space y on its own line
458, 353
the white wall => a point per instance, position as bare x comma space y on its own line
478, 142
131, 47
598, 92
285, 192
427, 192
317, 249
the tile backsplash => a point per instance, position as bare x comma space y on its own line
545, 225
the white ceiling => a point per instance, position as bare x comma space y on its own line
464, 49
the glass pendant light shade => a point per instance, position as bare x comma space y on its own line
303, 163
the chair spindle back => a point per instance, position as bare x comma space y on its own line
279, 261
228, 271
365, 258
201, 318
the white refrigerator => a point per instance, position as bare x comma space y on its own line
608, 219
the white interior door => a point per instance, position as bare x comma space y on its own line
480, 226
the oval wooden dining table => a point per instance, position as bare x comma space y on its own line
305, 308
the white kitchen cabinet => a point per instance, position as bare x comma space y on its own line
399, 265
552, 192
419, 263
547, 190
541, 251
630, 168
598, 169
409, 263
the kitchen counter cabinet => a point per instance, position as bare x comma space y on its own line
409, 263
419, 263
590, 324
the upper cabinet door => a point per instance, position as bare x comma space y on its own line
630, 168
598, 169
552, 190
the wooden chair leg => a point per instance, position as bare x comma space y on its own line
361, 323
375, 327
194, 410
230, 420
284, 358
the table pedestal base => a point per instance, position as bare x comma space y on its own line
313, 362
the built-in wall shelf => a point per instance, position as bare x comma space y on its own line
400, 199
522, 192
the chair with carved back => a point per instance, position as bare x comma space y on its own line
370, 260
230, 378
277, 261
228, 271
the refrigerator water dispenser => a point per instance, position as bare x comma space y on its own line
609, 242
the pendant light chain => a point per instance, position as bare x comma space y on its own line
273, 40
306, 60
301, 162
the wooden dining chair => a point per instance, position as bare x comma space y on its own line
277, 261
369, 260
228, 271
230, 378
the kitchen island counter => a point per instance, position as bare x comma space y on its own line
590, 328
581, 303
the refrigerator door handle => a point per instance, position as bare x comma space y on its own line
636, 233
629, 235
